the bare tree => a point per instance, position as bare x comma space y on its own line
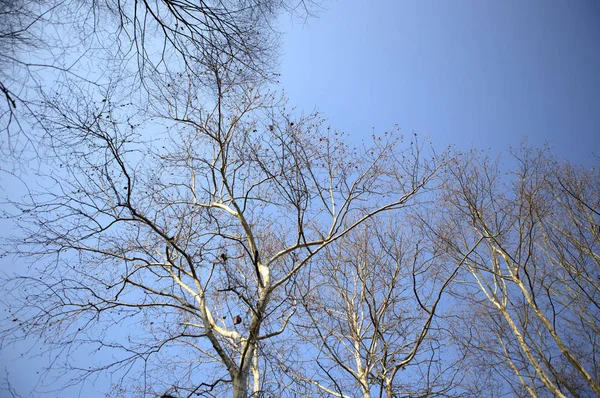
187, 225
374, 321
537, 271
18, 20
48, 43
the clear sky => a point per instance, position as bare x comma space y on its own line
467, 73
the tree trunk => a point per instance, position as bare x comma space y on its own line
366, 392
240, 385
388, 390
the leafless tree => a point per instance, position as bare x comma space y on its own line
17, 32
174, 235
374, 321
48, 43
536, 271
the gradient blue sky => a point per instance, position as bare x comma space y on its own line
467, 73
464, 73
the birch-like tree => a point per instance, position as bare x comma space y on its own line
537, 269
174, 236
373, 316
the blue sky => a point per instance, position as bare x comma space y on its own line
466, 73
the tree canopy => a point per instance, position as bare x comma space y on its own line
192, 234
